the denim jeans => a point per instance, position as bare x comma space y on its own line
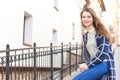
93, 73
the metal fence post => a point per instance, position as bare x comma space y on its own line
51, 51
82, 51
76, 54
62, 61
70, 58
7, 61
34, 61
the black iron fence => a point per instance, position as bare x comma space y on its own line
39, 63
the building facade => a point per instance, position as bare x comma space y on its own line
24, 22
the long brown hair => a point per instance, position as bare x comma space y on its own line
99, 26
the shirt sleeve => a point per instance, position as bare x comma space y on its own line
103, 50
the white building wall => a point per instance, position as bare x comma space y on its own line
72, 15
45, 20
11, 24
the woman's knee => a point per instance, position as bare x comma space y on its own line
93, 73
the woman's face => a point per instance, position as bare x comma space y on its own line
87, 19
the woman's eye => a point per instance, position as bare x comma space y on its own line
86, 17
83, 16
89, 16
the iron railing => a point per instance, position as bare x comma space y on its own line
39, 63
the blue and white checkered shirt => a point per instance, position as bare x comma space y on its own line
104, 52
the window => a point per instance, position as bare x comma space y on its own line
27, 29
54, 38
73, 31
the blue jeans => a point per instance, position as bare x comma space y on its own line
93, 73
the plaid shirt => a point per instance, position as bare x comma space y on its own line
105, 52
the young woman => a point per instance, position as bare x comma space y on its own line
98, 56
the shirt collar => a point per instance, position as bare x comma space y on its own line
92, 30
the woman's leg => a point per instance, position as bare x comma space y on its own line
93, 73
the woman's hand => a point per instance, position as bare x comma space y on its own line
83, 67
